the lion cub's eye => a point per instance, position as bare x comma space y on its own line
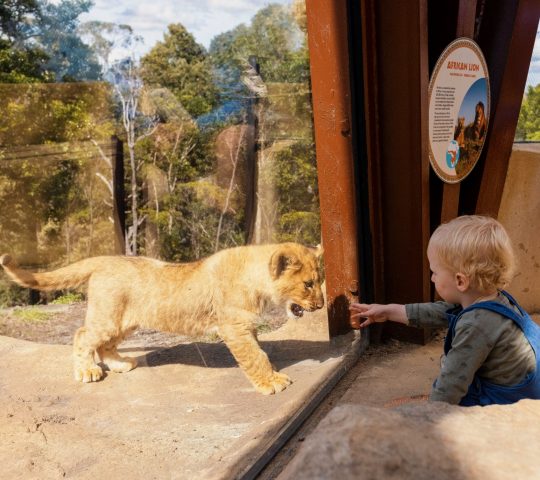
309, 284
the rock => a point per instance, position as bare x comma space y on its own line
428, 441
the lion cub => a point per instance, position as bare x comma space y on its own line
227, 291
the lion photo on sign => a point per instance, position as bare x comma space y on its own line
225, 292
477, 128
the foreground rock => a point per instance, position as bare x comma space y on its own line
428, 441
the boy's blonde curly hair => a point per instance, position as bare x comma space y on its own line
477, 246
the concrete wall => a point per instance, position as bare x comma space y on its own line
520, 214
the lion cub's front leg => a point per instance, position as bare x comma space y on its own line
242, 342
85, 368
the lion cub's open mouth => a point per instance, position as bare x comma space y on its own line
296, 310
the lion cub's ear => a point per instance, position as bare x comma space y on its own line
319, 250
282, 260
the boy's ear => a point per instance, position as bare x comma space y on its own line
462, 282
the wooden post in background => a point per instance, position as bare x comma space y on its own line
509, 58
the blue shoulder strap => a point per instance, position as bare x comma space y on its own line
504, 310
499, 308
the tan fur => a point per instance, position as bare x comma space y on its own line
227, 291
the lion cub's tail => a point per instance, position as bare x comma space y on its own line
71, 276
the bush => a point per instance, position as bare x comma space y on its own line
12, 295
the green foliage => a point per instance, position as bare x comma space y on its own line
22, 65
301, 227
274, 38
11, 295
51, 201
180, 150
14, 18
69, 58
31, 315
189, 221
528, 127
44, 113
295, 177
39, 42
68, 298
179, 64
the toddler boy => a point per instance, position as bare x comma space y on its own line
491, 350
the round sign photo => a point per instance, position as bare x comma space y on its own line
459, 105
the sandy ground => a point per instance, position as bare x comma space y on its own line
186, 412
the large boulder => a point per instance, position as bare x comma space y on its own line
427, 441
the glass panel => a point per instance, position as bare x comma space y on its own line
209, 105
528, 127
192, 121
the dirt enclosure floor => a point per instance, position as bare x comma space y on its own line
186, 412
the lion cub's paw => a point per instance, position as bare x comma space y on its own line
276, 383
120, 366
87, 375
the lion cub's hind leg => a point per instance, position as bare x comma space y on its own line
109, 356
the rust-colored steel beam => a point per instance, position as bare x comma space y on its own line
510, 69
330, 80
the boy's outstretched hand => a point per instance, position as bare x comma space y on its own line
363, 314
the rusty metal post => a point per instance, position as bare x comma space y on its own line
330, 80
509, 57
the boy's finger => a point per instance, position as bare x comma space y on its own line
364, 313
359, 306
366, 323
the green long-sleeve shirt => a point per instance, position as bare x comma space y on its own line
485, 342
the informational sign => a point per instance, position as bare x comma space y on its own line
459, 105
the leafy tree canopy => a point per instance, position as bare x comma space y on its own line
40, 42
14, 19
528, 127
274, 38
70, 59
179, 64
